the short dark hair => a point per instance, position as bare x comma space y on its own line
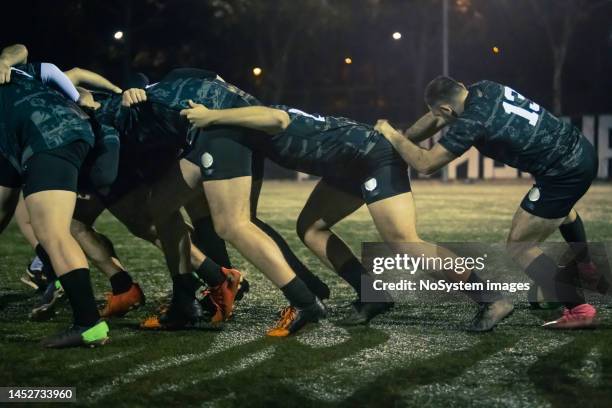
442, 89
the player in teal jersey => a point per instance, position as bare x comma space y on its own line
357, 165
44, 139
504, 125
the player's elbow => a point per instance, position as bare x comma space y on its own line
281, 120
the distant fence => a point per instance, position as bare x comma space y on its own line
472, 165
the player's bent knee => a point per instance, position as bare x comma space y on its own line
229, 230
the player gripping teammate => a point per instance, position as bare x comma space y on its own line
506, 126
358, 165
44, 141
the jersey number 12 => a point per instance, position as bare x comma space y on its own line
532, 114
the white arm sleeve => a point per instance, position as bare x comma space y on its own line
51, 75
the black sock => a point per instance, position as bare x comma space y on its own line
184, 287
78, 288
316, 285
544, 272
47, 270
575, 235
206, 239
297, 293
121, 282
210, 273
481, 296
351, 271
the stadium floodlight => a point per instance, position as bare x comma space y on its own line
257, 71
397, 35
118, 35
495, 49
348, 60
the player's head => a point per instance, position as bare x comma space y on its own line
445, 97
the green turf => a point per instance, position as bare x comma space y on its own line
413, 356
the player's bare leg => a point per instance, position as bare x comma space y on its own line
37, 273
229, 203
23, 222
126, 294
325, 207
395, 220
526, 233
51, 213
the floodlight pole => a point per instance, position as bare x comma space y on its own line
445, 61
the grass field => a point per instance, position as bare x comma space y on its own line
413, 356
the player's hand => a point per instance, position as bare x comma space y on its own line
133, 96
198, 115
383, 126
5, 72
86, 99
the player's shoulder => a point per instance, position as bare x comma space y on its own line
486, 89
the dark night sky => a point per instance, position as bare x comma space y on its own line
301, 47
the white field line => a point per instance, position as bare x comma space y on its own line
105, 358
223, 340
337, 381
493, 382
248, 361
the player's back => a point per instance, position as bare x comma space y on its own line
516, 130
319, 145
35, 117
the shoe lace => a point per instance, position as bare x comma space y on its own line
288, 314
216, 295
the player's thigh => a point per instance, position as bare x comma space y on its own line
527, 227
50, 184
388, 195
395, 218
176, 187
197, 207
230, 206
327, 205
51, 212
526, 233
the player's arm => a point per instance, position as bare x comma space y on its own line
260, 118
424, 128
80, 76
423, 160
12, 55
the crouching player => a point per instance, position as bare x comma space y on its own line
504, 125
44, 140
357, 165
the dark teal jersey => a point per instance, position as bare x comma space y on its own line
504, 125
321, 145
36, 118
158, 122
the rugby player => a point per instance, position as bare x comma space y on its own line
357, 165
157, 115
44, 140
231, 189
506, 126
